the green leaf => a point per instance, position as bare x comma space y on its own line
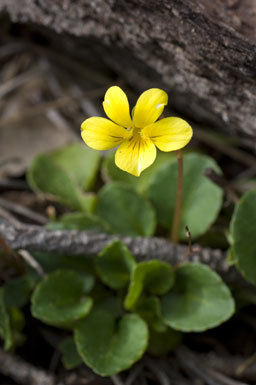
70, 356
163, 342
17, 322
244, 296
80, 162
17, 291
110, 304
125, 210
114, 265
199, 300
17, 319
150, 309
59, 299
231, 259
64, 177
51, 262
202, 199
112, 172
86, 202
79, 221
244, 234
108, 345
153, 276
5, 327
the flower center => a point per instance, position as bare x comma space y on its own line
138, 133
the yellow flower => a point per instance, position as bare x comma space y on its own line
138, 137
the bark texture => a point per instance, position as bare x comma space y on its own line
202, 52
70, 243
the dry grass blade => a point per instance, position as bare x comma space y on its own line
32, 262
23, 211
19, 80
116, 379
192, 365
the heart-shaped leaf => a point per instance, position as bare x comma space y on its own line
199, 300
70, 356
163, 342
153, 276
114, 265
111, 172
80, 162
79, 221
150, 309
108, 345
59, 299
243, 234
202, 199
80, 263
17, 291
65, 174
125, 210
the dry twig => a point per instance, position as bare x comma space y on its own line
24, 373
36, 238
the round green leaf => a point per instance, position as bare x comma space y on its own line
109, 346
199, 300
202, 199
79, 221
153, 276
80, 161
63, 173
60, 299
111, 172
150, 309
17, 291
114, 265
125, 210
70, 356
52, 261
244, 236
45, 175
163, 342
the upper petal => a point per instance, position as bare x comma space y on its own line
116, 106
102, 134
135, 155
149, 107
169, 134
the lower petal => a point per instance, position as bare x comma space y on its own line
169, 134
102, 134
135, 155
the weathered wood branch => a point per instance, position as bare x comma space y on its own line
202, 52
66, 242
24, 373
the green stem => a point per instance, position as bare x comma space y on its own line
178, 206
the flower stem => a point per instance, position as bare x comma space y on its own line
178, 206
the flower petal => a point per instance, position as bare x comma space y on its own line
102, 134
169, 134
116, 106
135, 155
149, 107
